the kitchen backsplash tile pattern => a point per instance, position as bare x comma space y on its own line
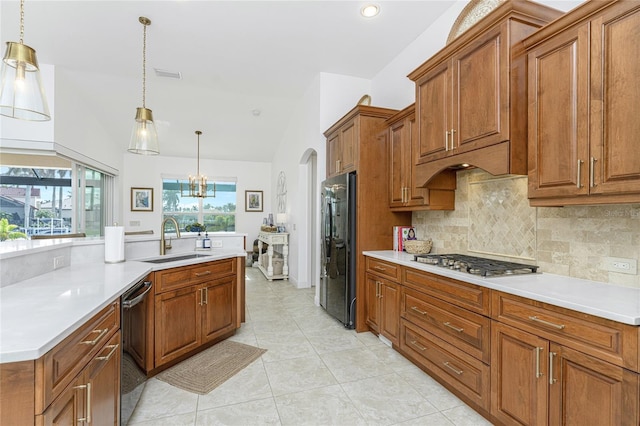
572, 241
500, 219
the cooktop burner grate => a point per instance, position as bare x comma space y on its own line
476, 265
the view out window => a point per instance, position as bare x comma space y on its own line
50, 200
216, 213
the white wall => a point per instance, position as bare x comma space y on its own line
142, 171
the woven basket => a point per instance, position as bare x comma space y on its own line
417, 246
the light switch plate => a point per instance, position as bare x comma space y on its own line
216, 243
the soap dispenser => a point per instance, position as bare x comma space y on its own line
199, 241
206, 242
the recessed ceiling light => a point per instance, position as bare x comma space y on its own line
370, 10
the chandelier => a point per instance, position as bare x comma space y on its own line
197, 187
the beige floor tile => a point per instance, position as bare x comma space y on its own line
354, 364
435, 393
179, 420
298, 374
465, 416
160, 400
252, 413
248, 385
436, 419
323, 406
386, 400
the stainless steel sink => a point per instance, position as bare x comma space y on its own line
176, 258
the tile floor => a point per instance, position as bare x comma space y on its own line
314, 373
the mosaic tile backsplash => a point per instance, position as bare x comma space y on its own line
572, 241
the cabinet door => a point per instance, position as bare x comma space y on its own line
397, 175
390, 311
615, 93
178, 323
103, 377
218, 315
334, 154
519, 376
558, 115
69, 408
481, 92
349, 145
587, 391
433, 109
372, 295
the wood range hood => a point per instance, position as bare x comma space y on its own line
496, 159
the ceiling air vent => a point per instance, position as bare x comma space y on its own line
168, 74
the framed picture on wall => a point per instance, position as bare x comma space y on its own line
252, 201
141, 199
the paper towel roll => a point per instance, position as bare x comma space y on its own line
113, 244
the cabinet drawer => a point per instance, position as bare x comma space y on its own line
466, 374
464, 295
466, 330
386, 269
211, 270
59, 366
181, 277
605, 339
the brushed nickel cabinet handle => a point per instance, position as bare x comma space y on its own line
97, 339
551, 379
453, 141
203, 274
592, 167
452, 368
379, 268
110, 354
89, 402
201, 298
206, 296
538, 372
414, 343
446, 140
415, 309
579, 178
453, 327
337, 165
550, 324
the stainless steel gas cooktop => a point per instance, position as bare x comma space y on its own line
476, 265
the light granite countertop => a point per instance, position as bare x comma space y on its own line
38, 313
603, 300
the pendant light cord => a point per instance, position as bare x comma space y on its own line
144, 65
21, 21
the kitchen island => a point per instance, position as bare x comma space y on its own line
60, 337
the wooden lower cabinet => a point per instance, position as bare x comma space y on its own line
538, 382
383, 307
463, 373
94, 396
219, 315
190, 317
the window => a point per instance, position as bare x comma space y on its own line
46, 195
216, 213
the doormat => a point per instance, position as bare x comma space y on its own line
210, 368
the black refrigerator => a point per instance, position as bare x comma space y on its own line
338, 272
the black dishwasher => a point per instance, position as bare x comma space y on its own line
135, 312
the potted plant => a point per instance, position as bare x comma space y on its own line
195, 227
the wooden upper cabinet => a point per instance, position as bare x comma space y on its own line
472, 95
344, 138
404, 194
583, 91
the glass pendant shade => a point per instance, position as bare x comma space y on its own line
144, 138
21, 94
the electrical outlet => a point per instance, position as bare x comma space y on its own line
58, 262
621, 265
216, 243
134, 223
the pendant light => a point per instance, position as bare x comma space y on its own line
144, 138
21, 94
197, 184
